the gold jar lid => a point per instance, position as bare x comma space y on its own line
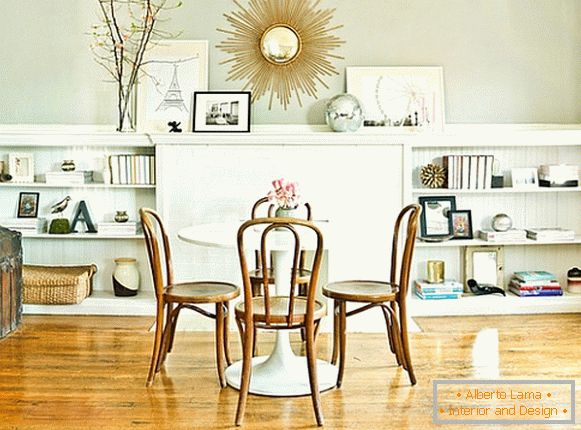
125, 260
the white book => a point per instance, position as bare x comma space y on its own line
153, 164
147, 168
114, 166
488, 172
473, 172
481, 172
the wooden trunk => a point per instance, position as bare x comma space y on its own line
10, 281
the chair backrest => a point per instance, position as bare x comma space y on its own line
254, 213
158, 249
278, 226
407, 221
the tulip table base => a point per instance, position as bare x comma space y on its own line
282, 373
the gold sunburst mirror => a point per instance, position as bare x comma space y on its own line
281, 47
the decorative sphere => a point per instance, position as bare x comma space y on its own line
343, 113
501, 222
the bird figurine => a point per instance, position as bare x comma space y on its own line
60, 206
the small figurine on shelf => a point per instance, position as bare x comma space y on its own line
60, 225
4, 177
175, 127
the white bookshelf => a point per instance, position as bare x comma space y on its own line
82, 236
506, 190
479, 242
70, 186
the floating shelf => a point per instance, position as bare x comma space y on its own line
480, 242
84, 236
506, 190
90, 185
101, 303
494, 304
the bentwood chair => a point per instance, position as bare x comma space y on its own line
257, 274
280, 312
182, 295
390, 297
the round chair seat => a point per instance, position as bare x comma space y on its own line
256, 276
361, 291
201, 292
279, 310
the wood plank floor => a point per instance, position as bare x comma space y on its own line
89, 373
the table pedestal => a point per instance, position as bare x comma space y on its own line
282, 373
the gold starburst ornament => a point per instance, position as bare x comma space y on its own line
433, 175
281, 47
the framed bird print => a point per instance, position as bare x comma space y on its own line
28, 205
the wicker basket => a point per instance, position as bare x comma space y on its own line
57, 285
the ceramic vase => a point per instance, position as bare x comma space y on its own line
125, 277
285, 212
68, 166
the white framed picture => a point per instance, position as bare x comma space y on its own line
399, 97
525, 177
21, 167
172, 72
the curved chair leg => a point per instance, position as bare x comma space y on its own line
254, 342
165, 341
220, 343
406, 346
342, 340
156, 344
389, 324
173, 331
247, 346
335, 332
226, 333
312, 366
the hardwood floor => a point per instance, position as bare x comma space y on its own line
89, 373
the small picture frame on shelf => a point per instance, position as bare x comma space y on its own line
21, 167
526, 177
461, 224
221, 111
434, 221
484, 264
28, 205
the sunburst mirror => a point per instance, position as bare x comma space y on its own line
281, 47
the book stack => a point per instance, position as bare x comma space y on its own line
535, 284
77, 177
446, 290
128, 228
512, 235
132, 169
550, 234
25, 226
469, 172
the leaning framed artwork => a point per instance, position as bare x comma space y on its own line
21, 167
172, 72
221, 111
399, 98
434, 221
484, 264
28, 205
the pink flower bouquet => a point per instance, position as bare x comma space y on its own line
285, 194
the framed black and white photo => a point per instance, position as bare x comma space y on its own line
28, 205
217, 111
461, 224
434, 222
525, 177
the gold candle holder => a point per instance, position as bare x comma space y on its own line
435, 269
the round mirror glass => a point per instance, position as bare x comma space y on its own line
280, 44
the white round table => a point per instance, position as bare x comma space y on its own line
282, 373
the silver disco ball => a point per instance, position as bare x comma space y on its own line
343, 113
501, 222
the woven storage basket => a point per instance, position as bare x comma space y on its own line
57, 285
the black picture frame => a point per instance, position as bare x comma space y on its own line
221, 112
432, 208
28, 205
461, 224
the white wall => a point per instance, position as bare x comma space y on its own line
504, 60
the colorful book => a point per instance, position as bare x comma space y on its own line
535, 293
534, 275
436, 296
445, 287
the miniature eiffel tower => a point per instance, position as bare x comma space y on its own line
173, 96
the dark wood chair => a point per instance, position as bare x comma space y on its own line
272, 312
390, 297
182, 295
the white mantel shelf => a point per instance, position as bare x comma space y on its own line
455, 135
